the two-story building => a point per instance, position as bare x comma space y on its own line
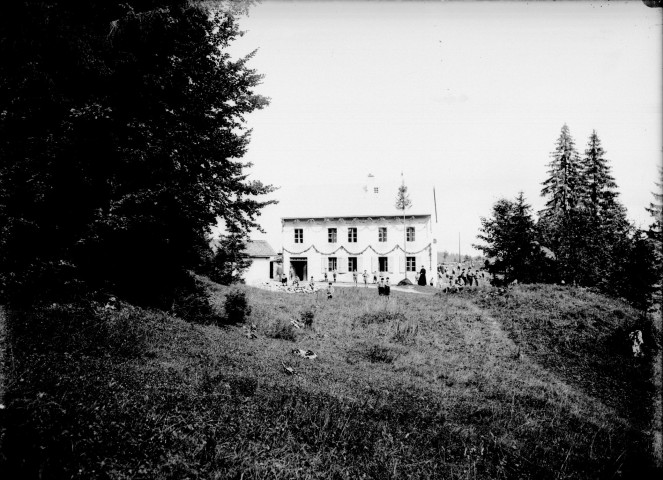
358, 228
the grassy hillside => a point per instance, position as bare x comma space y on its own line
536, 384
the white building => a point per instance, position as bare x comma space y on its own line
359, 228
261, 255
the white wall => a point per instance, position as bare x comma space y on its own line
258, 271
317, 249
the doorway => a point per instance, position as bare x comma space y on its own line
300, 266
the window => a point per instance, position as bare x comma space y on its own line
299, 235
410, 234
383, 264
352, 264
375, 189
382, 234
352, 235
410, 264
331, 235
331, 264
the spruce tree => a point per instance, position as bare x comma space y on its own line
510, 237
561, 221
604, 218
655, 235
564, 185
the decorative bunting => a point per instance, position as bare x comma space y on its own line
397, 247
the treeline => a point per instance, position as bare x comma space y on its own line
582, 236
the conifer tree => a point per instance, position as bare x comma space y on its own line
510, 237
564, 185
561, 222
604, 218
655, 209
655, 235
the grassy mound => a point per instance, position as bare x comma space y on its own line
538, 384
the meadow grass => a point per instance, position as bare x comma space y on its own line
535, 384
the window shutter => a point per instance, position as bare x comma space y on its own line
401, 264
374, 264
391, 267
324, 264
342, 265
360, 264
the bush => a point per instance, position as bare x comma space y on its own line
283, 331
237, 306
307, 317
192, 302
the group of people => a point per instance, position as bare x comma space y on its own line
458, 277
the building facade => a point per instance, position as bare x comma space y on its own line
261, 255
387, 246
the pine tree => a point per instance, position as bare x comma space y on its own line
604, 223
655, 209
600, 184
561, 222
564, 185
510, 237
655, 235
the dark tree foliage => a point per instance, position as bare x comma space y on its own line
561, 223
655, 235
636, 275
121, 126
564, 186
511, 241
228, 260
604, 224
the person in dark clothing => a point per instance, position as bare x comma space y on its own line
381, 287
422, 277
387, 288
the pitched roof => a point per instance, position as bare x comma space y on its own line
259, 248
371, 198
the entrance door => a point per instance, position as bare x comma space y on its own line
300, 266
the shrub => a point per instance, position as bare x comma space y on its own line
192, 302
307, 317
283, 331
237, 306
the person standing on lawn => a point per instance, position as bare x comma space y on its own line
422, 277
365, 275
354, 276
381, 287
330, 291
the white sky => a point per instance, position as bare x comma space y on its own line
470, 96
